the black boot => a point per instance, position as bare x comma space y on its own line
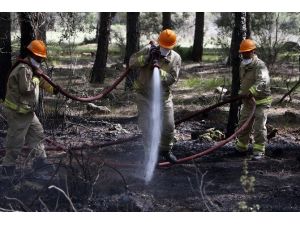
169, 156
8, 170
42, 164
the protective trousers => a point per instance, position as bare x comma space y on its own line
22, 128
168, 125
258, 126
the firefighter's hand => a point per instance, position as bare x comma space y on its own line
154, 52
36, 80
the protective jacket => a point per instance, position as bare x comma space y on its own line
256, 80
23, 89
169, 70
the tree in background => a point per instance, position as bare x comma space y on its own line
238, 34
271, 31
99, 67
5, 50
166, 21
248, 24
197, 51
33, 26
132, 44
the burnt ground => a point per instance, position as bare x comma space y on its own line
111, 178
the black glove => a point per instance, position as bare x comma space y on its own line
154, 52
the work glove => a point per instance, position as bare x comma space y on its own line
154, 54
36, 80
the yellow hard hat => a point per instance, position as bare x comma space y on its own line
38, 48
247, 45
167, 39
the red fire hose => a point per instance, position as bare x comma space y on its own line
219, 144
86, 99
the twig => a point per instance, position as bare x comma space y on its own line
124, 181
66, 196
20, 202
7, 210
43, 204
289, 92
45, 186
95, 181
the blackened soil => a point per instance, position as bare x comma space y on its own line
112, 178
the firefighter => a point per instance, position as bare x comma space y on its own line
169, 62
20, 103
255, 82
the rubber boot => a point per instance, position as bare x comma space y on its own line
42, 164
169, 156
8, 170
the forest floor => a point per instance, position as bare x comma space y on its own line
112, 178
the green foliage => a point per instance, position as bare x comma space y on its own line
248, 183
184, 52
269, 30
151, 22
70, 23
204, 84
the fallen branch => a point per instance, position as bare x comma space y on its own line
20, 202
66, 196
290, 91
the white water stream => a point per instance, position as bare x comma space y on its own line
155, 125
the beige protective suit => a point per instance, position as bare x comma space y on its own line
169, 71
255, 79
20, 102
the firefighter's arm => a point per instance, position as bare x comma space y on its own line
170, 78
26, 82
140, 58
261, 80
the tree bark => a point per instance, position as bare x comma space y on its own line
132, 45
99, 68
248, 24
197, 52
5, 50
166, 21
27, 32
238, 34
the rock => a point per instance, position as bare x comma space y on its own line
97, 109
221, 90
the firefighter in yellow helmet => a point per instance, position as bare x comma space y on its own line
169, 62
255, 81
20, 102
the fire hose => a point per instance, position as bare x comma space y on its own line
58, 146
86, 99
109, 89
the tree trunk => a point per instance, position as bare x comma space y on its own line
27, 32
132, 45
198, 37
166, 21
238, 34
99, 68
5, 50
248, 24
